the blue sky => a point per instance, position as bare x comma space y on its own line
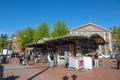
20, 14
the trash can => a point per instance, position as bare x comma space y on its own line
1, 72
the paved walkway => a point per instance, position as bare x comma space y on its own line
41, 71
12, 67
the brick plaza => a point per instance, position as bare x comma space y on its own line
41, 71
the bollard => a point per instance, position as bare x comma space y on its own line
1, 72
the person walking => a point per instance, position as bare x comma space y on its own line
20, 59
66, 54
52, 60
118, 61
96, 60
36, 57
4, 59
27, 59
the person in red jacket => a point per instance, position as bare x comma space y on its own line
96, 61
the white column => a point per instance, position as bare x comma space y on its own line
105, 41
99, 45
100, 48
110, 42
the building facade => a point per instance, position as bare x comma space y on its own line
91, 29
14, 45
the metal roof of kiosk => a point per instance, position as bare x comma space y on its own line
66, 39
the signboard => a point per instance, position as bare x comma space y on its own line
5, 51
9, 52
87, 62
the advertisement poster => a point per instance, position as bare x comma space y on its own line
71, 62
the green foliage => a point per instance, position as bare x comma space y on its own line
59, 29
116, 33
25, 37
30, 35
42, 31
3, 42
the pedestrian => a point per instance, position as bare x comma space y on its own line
118, 61
27, 59
36, 57
96, 60
20, 59
23, 57
52, 60
66, 54
4, 59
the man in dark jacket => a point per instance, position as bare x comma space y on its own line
118, 61
51, 60
27, 59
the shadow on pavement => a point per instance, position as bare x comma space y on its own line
65, 78
73, 77
11, 77
114, 67
36, 67
114, 61
38, 74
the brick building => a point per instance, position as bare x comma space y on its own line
14, 46
91, 29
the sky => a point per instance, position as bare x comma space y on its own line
21, 14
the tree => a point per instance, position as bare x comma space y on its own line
4, 42
59, 29
42, 31
25, 37
116, 33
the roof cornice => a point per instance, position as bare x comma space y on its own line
91, 24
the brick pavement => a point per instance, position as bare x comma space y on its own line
40, 71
